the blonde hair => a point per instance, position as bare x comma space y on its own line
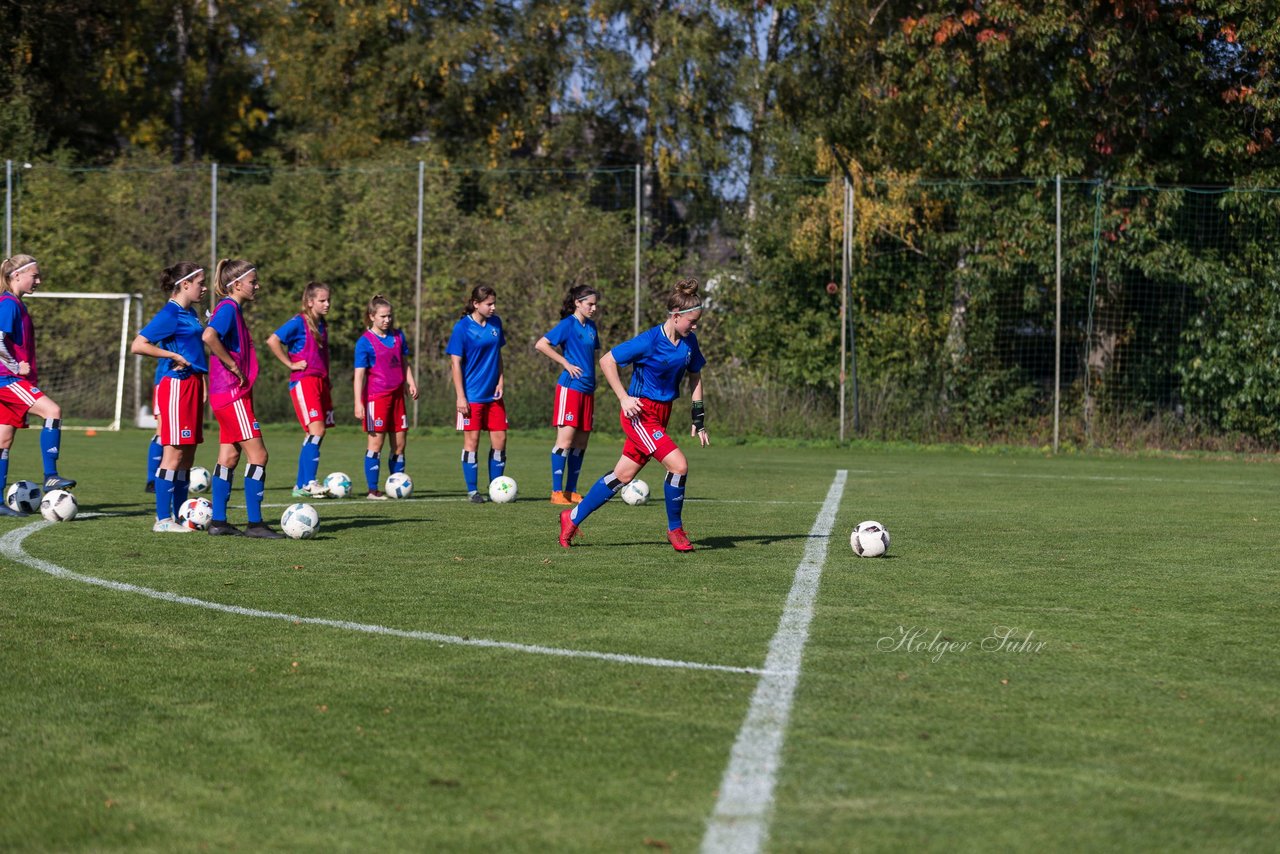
684, 297
11, 266
227, 273
308, 294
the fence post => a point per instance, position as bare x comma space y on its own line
844, 297
8, 209
1057, 310
1093, 295
639, 213
417, 305
213, 231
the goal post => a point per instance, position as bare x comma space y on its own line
82, 354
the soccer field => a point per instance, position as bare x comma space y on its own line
1074, 653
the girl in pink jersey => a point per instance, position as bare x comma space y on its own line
19, 276
381, 378
302, 346
232, 372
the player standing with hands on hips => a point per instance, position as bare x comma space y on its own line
574, 405
231, 376
660, 358
475, 349
20, 275
302, 346
381, 378
174, 337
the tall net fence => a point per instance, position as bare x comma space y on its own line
1158, 327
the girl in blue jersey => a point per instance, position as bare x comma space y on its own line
475, 349
19, 276
174, 337
660, 358
302, 346
574, 405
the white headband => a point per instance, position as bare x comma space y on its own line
697, 307
197, 272
23, 267
241, 276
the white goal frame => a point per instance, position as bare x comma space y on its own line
128, 302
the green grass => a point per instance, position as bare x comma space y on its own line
1147, 721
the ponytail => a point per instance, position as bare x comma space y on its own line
228, 272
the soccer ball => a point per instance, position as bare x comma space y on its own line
196, 513
337, 484
399, 485
636, 493
198, 479
502, 490
869, 539
300, 521
23, 496
58, 505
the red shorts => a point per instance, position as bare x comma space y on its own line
386, 414
15, 399
312, 401
484, 416
574, 409
180, 410
647, 432
236, 422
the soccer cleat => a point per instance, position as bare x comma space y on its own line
6, 510
151, 487
311, 490
262, 531
375, 495
575, 497
679, 540
220, 529
559, 497
477, 498
568, 530
55, 482
170, 526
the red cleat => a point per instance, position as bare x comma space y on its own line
568, 530
679, 540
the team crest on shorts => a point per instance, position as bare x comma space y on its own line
186, 434
255, 426
377, 422
568, 416
657, 434
313, 413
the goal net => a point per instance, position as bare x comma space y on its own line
82, 349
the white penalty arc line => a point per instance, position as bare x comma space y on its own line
11, 547
739, 824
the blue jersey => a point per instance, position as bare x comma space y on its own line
658, 365
224, 323
14, 323
481, 350
178, 330
579, 342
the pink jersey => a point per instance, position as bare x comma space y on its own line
21, 342
388, 372
315, 352
224, 388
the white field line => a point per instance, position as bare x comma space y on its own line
11, 547
739, 824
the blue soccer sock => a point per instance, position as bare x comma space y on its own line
181, 489
254, 485
372, 469
497, 464
222, 478
4, 471
558, 456
155, 453
575, 469
397, 463
164, 479
601, 491
470, 470
50, 439
673, 492
309, 460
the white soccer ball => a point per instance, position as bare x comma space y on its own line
198, 479
502, 490
399, 485
58, 505
300, 521
23, 496
869, 539
635, 493
196, 513
337, 484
